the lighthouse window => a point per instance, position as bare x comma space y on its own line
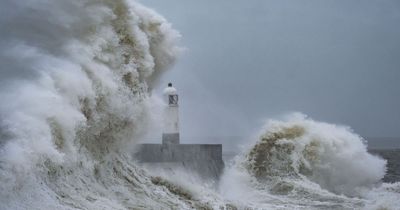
173, 99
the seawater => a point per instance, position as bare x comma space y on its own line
75, 100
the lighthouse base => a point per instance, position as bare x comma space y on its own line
203, 159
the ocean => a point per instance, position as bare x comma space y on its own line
393, 163
75, 100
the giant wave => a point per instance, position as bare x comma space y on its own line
301, 163
66, 126
76, 77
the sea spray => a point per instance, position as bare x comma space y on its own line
65, 128
330, 155
302, 162
68, 128
75, 82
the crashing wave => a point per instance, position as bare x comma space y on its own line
66, 129
299, 163
74, 87
329, 155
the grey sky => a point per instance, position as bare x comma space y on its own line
29, 20
334, 60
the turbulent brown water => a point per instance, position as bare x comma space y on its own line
76, 77
301, 163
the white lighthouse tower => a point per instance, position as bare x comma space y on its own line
171, 116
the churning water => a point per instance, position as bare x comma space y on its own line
74, 97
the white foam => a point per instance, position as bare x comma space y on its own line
92, 63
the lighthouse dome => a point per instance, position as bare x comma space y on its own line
170, 91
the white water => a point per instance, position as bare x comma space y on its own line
301, 163
74, 99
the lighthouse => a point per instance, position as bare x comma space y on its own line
204, 159
171, 116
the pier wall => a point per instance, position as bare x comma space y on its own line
204, 159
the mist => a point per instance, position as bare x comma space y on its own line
81, 104
246, 61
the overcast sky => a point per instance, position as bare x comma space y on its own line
247, 60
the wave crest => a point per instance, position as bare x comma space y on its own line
65, 131
327, 154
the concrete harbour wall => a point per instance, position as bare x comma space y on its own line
203, 159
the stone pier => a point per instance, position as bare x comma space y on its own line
203, 159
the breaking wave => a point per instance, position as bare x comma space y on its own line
74, 97
75, 83
302, 163
327, 154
